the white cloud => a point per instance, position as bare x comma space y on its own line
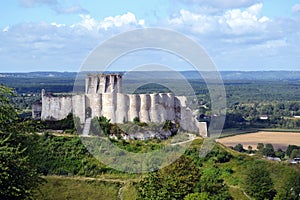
57, 25
121, 20
110, 22
234, 21
296, 8
6, 29
87, 22
243, 22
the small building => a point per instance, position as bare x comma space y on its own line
36, 110
264, 117
295, 161
273, 158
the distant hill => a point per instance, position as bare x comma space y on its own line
40, 75
226, 75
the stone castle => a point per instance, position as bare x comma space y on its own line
103, 97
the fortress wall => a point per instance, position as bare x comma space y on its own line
119, 84
55, 108
109, 106
122, 108
66, 106
96, 104
154, 109
134, 106
163, 102
101, 83
101, 87
145, 108
170, 105
202, 127
79, 107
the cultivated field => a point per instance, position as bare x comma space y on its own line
277, 139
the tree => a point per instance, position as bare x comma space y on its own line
239, 148
295, 153
172, 182
258, 183
290, 189
250, 149
268, 150
212, 184
290, 149
7, 111
260, 147
279, 153
18, 177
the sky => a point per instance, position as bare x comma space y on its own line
58, 35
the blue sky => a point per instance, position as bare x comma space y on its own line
57, 35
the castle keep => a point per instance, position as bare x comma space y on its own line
103, 97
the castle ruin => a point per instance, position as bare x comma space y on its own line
103, 97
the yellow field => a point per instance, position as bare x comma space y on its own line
277, 139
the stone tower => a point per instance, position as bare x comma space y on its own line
103, 83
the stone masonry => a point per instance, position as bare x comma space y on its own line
103, 97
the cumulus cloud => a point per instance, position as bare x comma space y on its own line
117, 21
121, 20
48, 45
234, 21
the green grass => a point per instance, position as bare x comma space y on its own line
62, 188
237, 193
280, 130
236, 131
129, 192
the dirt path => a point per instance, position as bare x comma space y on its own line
120, 192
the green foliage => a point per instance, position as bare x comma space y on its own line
212, 184
280, 154
268, 150
64, 124
101, 126
260, 147
197, 196
290, 189
239, 148
290, 149
59, 188
258, 183
138, 122
172, 182
65, 156
295, 153
8, 114
18, 177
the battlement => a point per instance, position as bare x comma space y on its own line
103, 83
